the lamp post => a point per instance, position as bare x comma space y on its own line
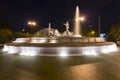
99, 24
31, 24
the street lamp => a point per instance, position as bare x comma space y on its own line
80, 19
99, 24
31, 24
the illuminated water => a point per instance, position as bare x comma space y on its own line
60, 49
77, 23
102, 67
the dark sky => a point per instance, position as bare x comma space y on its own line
18, 12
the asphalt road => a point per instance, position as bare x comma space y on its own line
101, 67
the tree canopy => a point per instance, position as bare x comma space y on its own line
5, 35
114, 33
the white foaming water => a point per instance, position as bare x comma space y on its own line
60, 51
77, 23
89, 50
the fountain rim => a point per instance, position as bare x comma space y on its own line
81, 44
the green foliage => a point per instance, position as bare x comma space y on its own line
114, 33
85, 31
40, 35
88, 31
21, 34
5, 35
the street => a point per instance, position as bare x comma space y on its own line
101, 67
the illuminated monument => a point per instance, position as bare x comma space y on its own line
65, 44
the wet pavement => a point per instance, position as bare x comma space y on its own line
101, 67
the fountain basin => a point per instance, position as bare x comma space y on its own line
62, 46
58, 40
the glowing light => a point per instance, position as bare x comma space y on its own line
6, 48
29, 51
77, 19
112, 48
82, 18
28, 54
92, 32
13, 49
89, 51
105, 51
38, 40
63, 54
77, 36
21, 40
53, 41
62, 51
109, 48
32, 23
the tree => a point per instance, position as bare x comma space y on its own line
114, 33
21, 34
5, 35
89, 31
85, 31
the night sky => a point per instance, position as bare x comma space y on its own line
18, 12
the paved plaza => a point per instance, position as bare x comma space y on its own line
101, 67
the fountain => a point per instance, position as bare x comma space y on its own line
56, 44
77, 23
67, 32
